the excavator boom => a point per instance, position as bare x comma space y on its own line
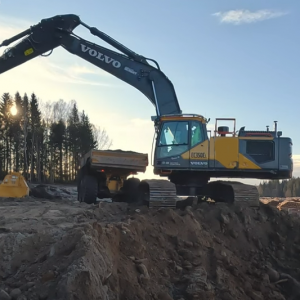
129, 67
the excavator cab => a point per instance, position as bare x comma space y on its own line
182, 142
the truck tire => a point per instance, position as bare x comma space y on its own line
130, 188
88, 189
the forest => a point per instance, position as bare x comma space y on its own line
45, 140
278, 188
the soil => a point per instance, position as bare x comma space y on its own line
63, 249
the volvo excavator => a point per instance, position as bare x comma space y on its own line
186, 154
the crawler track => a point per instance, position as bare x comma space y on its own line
158, 193
233, 192
162, 193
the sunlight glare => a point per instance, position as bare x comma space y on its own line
13, 110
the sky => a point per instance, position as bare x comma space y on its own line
234, 59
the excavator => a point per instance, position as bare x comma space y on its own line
186, 155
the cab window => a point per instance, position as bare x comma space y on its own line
196, 133
173, 138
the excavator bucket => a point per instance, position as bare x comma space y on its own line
14, 185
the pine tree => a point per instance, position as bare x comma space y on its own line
57, 140
74, 139
45, 141
6, 130
25, 125
86, 133
17, 131
35, 135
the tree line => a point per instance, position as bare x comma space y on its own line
278, 188
44, 141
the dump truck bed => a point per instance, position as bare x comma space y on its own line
116, 159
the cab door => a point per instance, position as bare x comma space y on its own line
199, 145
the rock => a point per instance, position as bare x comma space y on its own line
188, 244
4, 295
265, 278
15, 293
256, 296
27, 286
226, 296
178, 269
233, 233
143, 279
257, 285
187, 265
186, 254
276, 296
48, 276
43, 295
164, 296
224, 219
143, 270
273, 274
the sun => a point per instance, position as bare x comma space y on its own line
13, 110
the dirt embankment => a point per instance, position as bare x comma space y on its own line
57, 249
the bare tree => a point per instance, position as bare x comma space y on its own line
102, 138
62, 110
46, 109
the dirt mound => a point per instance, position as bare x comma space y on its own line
53, 192
66, 250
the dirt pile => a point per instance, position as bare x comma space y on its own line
52, 249
46, 191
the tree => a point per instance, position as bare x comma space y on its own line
101, 137
57, 140
86, 134
36, 137
16, 130
277, 188
45, 140
73, 139
6, 130
25, 125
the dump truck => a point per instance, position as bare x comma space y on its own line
105, 174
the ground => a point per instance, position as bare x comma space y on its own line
62, 249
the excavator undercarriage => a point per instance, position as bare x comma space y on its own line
163, 193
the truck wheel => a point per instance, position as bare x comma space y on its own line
88, 189
130, 188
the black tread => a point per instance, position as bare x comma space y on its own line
129, 192
90, 189
131, 184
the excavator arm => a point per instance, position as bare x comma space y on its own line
130, 67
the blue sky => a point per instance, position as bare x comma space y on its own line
225, 58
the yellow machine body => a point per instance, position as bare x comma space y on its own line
186, 149
14, 185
